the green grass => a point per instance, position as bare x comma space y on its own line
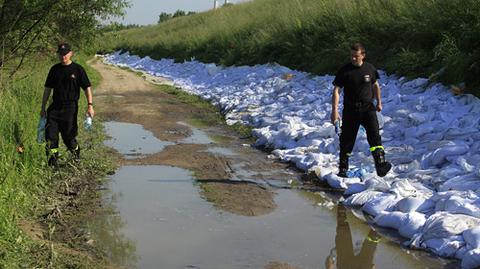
28, 188
209, 114
408, 37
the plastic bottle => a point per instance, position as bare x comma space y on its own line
381, 121
41, 130
357, 172
338, 127
362, 131
87, 124
333, 254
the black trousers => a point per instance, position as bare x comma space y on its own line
352, 118
346, 257
63, 121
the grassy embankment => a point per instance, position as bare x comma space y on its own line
408, 37
43, 213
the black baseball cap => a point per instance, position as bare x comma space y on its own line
63, 49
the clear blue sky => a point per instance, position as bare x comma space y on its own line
146, 11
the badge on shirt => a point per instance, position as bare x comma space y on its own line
72, 76
366, 78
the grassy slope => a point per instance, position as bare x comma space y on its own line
408, 37
29, 191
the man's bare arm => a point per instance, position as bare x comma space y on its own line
378, 96
89, 96
46, 95
335, 99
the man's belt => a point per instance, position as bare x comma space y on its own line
358, 105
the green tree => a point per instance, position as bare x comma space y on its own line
179, 13
28, 26
163, 17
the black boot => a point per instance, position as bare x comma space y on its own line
343, 167
53, 160
76, 154
381, 165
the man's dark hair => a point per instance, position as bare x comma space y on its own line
358, 47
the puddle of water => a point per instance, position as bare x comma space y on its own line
107, 231
132, 140
173, 227
198, 136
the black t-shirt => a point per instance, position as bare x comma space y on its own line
66, 81
357, 82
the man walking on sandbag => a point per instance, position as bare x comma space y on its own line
65, 78
359, 82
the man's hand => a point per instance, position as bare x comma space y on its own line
329, 263
379, 107
334, 116
90, 111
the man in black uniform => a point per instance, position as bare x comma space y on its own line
345, 257
65, 78
359, 81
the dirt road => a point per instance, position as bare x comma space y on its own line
124, 96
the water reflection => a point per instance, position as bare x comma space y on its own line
343, 254
106, 229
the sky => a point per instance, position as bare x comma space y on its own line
146, 11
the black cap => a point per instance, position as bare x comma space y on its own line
63, 49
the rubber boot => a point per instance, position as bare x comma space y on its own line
76, 154
343, 167
381, 165
53, 160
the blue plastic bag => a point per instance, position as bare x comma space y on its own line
41, 130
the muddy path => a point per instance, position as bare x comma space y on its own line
240, 211
124, 96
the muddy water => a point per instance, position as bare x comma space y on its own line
172, 226
197, 137
132, 140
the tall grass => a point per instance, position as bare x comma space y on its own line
408, 37
22, 175
25, 179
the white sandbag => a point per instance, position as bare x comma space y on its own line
469, 194
359, 199
444, 247
411, 204
472, 237
461, 183
471, 259
403, 188
459, 205
382, 202
461, 252
437, 158
355, 188
377, 184
335, 181
443, 225
212, 69
466, 166
390, 219
440, 205
439, 155
412, 224
340, 182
